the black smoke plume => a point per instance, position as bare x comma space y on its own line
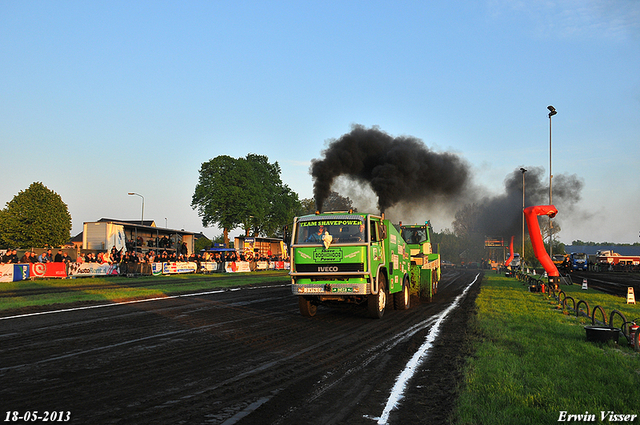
398, 169
501, 215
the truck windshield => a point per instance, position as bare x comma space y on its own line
341, 231
414, 235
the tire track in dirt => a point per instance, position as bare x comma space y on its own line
244, 356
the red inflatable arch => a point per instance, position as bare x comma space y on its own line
531, 214
508, 263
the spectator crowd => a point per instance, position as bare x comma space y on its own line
115, 256
11, 257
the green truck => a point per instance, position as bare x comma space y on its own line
342, 258
425, 264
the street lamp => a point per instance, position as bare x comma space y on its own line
142, 217
552, 112
522, 253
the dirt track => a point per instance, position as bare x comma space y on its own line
615, 283
242, 356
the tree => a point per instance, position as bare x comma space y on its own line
334, 202
202, 242
284, 208
467, 228
337, 202
555, 228
448, 244
245, 192
218, 197
274, 205
308, 206
466, 221
35, 218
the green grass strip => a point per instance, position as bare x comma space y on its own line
119, 289
531, 360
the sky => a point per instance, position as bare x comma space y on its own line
103, 98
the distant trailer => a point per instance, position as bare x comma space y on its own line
610, 257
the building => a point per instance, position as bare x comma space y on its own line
142, 237
260, 246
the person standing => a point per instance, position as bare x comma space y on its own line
66, 258
45, 257
13, 258
26, 258
4, 259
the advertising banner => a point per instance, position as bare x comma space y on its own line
237, 267
179, 267
20, 272
116, 237
280, 265
14, 272
92, 269
48, 270
156, 269
209, 267
6, 272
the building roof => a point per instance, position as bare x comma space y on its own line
146, 224
151, 223
260, 238
592, 249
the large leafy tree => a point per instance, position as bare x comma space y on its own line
448, 244
308, 206
35, 217
245, 192
333, 202
219, 197
468, 228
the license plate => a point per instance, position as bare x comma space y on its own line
341, 289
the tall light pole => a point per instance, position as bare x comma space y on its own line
552, 112
522, 253
137, 194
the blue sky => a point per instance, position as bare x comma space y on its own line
104, 98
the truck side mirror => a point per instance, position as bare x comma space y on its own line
383, 232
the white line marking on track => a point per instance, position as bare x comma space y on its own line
397, 393
116, 304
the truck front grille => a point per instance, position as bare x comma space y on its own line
329, 268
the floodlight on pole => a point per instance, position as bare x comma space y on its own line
137, 194
552, 112
522, 253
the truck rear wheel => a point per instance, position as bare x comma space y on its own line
307, 309
377, 303
402, 299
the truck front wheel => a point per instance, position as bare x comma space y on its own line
377, 303
307, 309
401, 300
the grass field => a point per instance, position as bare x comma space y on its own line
44, 292
532, 362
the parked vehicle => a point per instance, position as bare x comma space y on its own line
579, 261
